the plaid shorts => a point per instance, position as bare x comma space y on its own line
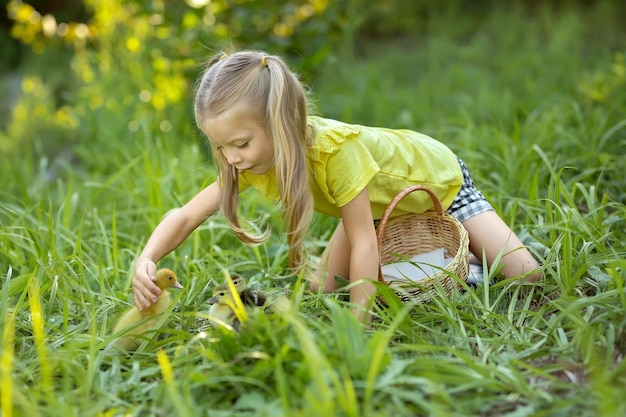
469, 201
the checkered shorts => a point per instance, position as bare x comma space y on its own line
469, 201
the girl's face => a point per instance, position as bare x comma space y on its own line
243, 140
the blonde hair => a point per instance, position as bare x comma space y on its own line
264, 84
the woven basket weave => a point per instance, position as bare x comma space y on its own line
408, 235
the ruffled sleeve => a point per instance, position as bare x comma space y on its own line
342, 165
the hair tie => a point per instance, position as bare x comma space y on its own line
263, 61
223, 56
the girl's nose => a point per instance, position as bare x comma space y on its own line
232, 157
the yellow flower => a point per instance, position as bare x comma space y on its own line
133, 44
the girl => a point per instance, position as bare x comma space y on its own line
254, 111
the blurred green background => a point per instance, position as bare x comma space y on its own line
70, 67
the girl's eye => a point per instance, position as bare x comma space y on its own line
243, 145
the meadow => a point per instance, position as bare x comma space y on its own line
534, 103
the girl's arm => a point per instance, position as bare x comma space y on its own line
166, 237
364, 257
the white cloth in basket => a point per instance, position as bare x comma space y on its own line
424, 265
421, 266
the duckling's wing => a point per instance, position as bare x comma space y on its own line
132, 324
128, 318
236, 324
221, 314
139, 322
252, 297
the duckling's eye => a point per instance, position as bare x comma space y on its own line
170, 277
221, 294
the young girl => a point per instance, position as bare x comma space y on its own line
254, 111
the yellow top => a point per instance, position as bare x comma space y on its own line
346, 158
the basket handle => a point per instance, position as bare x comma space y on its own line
380, 230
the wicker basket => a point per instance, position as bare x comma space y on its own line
409, 235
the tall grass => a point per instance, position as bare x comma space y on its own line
546, 153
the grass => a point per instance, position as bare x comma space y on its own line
544, 150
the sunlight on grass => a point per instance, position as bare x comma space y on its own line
6, 362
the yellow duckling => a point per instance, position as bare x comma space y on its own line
222, 303
224, 310
239, 282
131, 339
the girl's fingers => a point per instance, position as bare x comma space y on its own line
140, 301
145, 292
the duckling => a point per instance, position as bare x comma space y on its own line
130, 340
249, 296
239, 282
228, 308
221, 311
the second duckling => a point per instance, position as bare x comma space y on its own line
249, 296
223, 302
221, 311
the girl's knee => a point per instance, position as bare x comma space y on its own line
523, 265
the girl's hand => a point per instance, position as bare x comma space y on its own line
145, 290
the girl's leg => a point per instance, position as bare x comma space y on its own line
489, 235
335, 261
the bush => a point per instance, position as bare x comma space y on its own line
133, 65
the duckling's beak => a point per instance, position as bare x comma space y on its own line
213, 300
177, 285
